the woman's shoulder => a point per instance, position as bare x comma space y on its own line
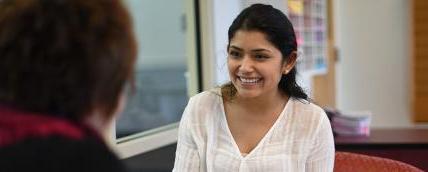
308, 110
306, 105
206, 97
306, 118
203, 106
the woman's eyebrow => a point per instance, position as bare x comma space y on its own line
237, 48
255, 50
260, 50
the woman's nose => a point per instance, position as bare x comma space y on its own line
247, 64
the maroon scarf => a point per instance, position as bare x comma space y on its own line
17, 125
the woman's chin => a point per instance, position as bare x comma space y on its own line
246, 93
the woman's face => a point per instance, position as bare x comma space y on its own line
255, 65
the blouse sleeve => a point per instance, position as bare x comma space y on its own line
321, 158
186, 156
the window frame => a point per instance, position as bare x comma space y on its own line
152, 139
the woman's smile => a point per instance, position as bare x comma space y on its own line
255, 65
249, 81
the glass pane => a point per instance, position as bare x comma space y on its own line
161, 82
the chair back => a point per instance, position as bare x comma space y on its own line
353, 162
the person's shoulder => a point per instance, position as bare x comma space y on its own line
306, 105
56, 153
203, 106
308, 109
208, 95
205, 99
307, 117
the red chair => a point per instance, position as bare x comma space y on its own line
353, 162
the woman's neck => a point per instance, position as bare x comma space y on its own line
264, 103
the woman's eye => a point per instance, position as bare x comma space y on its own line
234, 54
260, 57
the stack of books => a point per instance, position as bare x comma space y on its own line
355, 123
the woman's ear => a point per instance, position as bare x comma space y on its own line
290, 62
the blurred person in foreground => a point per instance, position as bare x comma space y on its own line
64, 65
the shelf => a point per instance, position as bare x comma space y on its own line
310, 25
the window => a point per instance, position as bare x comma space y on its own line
166, 73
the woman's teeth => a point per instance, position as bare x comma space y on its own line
248, 80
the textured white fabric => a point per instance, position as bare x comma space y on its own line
300, 140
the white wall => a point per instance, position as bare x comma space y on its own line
372, 72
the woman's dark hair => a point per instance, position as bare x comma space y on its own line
279, 31
65, 57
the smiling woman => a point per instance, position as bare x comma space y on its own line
262, 120
256, 65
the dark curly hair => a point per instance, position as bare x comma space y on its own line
65, 57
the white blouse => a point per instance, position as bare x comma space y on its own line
301, 139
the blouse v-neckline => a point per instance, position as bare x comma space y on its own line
237, 151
